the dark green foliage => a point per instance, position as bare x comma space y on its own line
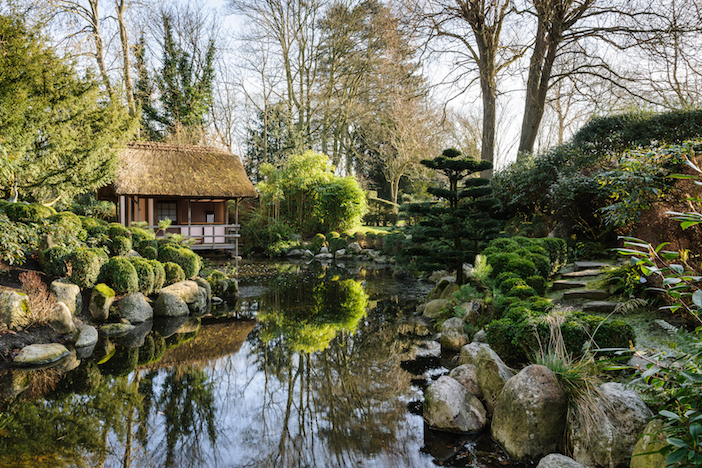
174, 273
122, 363
159, 275
188, 260
145, 274
317, 242
85, 265
336, 243
341, 204
510, 282
149, 252
557, 252
538, 283
69, 220
120, 246
119, 274
511, 262
521, 291
31, 213
332, 235
86, 205
139, 234
93, 226
452, 231
17, 240
55, 260
146, 352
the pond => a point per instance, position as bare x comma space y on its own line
313, 366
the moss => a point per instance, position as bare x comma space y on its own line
145, 274
188, 260
159, 275
174, 273
105, 290
119, 273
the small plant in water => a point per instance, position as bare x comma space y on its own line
41, 301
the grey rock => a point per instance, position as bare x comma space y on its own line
448, 406
567, 284
436, 276
645, 452
469, 352
588, 294
179, 299
101, 300
530, 415
581, 274
624, 417
133, 253
452, 324
135, 308
40, 354
354, 247
470, 311
324, 256
448, 291
69, 294
168, 326
115, 330
432, 309
308, 253
324, 250
480, 336
556, 460
585, 265
295, 253
466, 376
453, 340
492, 375
61, 320
425, 349
87, 336
14, 309
203, 283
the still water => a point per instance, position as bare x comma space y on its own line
312, 366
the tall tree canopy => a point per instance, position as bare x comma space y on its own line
59, 131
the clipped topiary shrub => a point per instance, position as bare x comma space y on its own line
174, 273
85, 265
89, 223
120, 246
332, 235
69, 220
188, 260
139, 234
510, 282
31, 213
521, 291
557, 249
159, 275
55, 260
115, 230
336, 243
145, 273
119, 274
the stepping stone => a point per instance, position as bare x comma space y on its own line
565, 284
582, 274
600, 306
590, 294
579, 266
39, 354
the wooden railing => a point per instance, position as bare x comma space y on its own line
208, 236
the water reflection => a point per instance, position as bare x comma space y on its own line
314, 381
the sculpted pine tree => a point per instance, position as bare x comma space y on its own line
450, 231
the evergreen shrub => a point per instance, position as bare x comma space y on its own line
145, 273
538, 283
119, 274
117, 230
174, 273
159, 275
317, 242
55, 260
188, 260
31, 213
85, 265
120, 246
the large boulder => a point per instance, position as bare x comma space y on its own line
469, 353
466, 376
180, 299
101, 300
623, 418
14, 310
135, 308
453, 335
136, 337
556, 460
470, 311
88, 336
492, 373
448, 406
61, 320
69, 294
530, 415
448, 291
354, 247
433, 308
40, 354
645, 452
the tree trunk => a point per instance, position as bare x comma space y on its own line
128, 88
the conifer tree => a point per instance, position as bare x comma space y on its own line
451, 230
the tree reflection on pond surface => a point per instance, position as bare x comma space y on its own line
316, 381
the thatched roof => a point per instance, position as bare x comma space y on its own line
159, 169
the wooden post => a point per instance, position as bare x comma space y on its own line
122, 211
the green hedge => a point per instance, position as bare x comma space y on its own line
31, 213
159, 275
174, 273
145, 274
119, 274
55, 260
85, 265
188, 260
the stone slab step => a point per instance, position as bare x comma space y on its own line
590, 294
600, 306
566, 284
582, 274
579, 266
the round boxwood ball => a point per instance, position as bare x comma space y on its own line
119, 274
174, 273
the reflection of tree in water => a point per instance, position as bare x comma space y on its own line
339, 379
187, 403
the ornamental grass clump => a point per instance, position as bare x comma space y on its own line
40, 300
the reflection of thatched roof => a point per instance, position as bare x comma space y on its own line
212, 341
158, 169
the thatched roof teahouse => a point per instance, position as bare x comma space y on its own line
190, 185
